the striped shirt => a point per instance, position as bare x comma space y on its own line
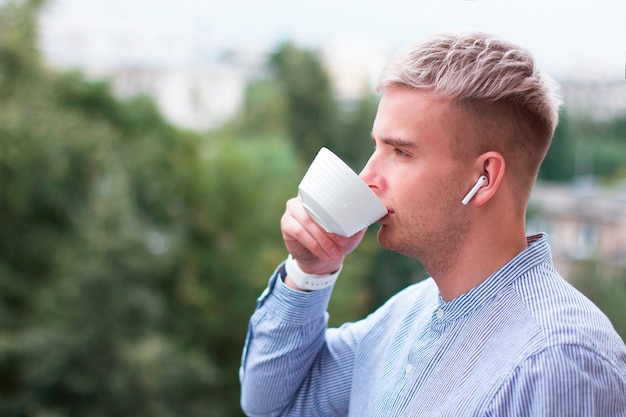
522, 343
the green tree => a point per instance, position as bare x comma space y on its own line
354, 140
610, 151
559, 162
310, 105
263, 113
130, 251
600, 147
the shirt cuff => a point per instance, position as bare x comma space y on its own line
293, 305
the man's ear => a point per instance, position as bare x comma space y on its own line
492, 166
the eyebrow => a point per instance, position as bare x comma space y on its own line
396, 142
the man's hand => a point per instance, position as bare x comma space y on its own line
317, 251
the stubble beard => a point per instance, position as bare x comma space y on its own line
436, 249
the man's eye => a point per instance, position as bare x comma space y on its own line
400, 152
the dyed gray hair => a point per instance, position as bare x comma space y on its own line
475, 67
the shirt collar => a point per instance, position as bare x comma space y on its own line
537, 252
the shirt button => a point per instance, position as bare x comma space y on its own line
440, 313
409, 369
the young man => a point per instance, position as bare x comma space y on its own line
495, 331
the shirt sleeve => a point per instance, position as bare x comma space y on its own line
566, 380
291, 364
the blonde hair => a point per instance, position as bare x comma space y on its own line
497, 87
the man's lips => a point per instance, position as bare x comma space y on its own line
386, 216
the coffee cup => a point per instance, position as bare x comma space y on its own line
336, 197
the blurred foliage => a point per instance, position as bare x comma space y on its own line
606, 288
311, 109
583, 146
132, 252
559, 163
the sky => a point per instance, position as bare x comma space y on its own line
569, 38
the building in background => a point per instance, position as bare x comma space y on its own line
584, 222
197, 97
598, 99
198, 85
193, 84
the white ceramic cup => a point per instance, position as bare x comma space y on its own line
337, 198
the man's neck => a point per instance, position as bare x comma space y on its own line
477, 260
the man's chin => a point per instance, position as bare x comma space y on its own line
384, 237
387, 240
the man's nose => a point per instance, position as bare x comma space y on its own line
368, 174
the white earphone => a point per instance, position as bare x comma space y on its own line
481, 181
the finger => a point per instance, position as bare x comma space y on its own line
312, 236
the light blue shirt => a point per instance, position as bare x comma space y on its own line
522, 343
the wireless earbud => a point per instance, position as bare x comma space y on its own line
481, 181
